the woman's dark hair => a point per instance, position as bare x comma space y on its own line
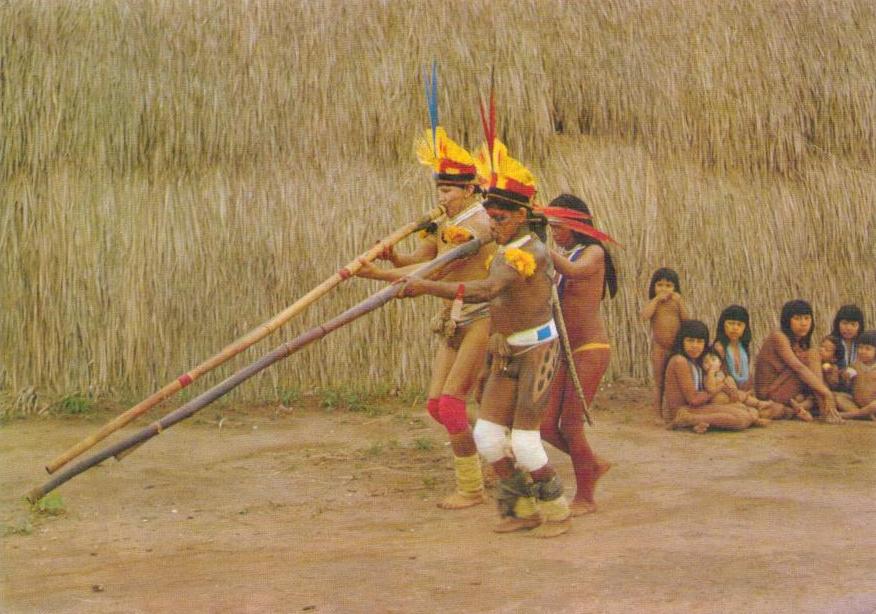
797, 307
663, 273
850, 313
740, 314
688, 329
570, 201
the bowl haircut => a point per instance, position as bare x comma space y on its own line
663, 273
850, 313
740, 314
797, 307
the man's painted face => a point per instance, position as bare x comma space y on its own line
734, 329
867, 353
693, 347
504, 224
663, 286
849, 329
801, 324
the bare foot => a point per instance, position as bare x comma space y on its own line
700, 427
509, 524
459, 501
804, 415
580, 508
830, 418
552, 528
683, 419
761, 422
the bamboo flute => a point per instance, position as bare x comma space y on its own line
243, 343
279, 353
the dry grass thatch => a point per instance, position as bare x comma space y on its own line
174, 174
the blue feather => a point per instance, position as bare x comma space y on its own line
432, 102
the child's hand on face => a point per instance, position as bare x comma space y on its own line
676, 297
712, 366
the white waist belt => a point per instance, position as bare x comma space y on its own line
534, 336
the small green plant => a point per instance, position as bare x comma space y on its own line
329, 398
50, 505
423, 444
430, 481
75, 404
290, 396
334, 398
375, 449
21, 527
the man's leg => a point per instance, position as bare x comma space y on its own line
516, 506
453, 415
535, 372
550, 422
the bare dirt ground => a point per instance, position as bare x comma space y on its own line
309, 509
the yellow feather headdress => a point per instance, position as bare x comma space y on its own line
502, 176
449, 161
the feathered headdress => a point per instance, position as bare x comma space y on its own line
450, 162
504, 178
501, 176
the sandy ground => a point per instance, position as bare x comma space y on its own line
309, 509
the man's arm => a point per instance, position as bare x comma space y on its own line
426, 250
479, 291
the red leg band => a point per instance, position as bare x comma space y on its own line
432, 407
452, 412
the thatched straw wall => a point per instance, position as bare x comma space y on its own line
174, 174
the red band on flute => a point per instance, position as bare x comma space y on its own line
460, 292
345, 273
185, 380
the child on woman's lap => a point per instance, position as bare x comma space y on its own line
862, 401
725, 389
828, 352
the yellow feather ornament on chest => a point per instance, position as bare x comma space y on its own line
456, 235
522, 262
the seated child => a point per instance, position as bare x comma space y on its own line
862, 402
828, 351
717, 383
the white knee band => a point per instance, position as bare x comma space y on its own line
490, 438
528, 449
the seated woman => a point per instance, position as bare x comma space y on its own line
688, 404
787, 366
